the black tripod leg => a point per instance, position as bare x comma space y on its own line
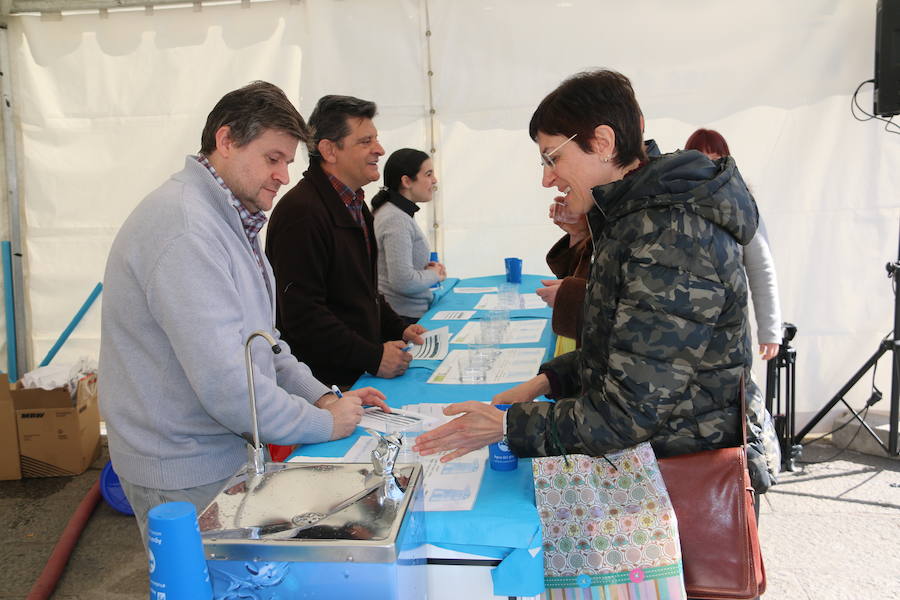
843, 391
895, 403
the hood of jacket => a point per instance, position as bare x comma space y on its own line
713, 189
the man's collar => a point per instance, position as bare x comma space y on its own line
344, 191
332, 176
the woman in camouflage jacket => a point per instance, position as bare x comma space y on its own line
665, 340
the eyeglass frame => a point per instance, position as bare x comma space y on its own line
547, 157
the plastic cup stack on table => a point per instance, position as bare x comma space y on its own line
513, 269
492, 330
177, 562
508, 296
473, 366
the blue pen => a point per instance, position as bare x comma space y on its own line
336, 391
409, 347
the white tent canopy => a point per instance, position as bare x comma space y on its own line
106, 105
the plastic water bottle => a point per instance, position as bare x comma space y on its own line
501, 459
434, 258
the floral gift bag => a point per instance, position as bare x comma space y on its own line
609, 528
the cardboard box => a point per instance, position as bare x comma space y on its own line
55, 437
9, 440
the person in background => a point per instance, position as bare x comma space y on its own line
757, 258
322, 246
760, 268
405, 274
186, 284
665, 343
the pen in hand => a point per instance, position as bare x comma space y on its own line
337, 392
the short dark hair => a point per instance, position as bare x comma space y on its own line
586, 100
708, 141
328, 120
248, 112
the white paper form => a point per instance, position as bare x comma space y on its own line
525, 302
519, 331
436, 343
511, 366
448, 486
453, 315
396, 420
474, 290
452, 485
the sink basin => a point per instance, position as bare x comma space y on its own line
314, 512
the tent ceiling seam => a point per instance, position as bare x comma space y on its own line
59, 8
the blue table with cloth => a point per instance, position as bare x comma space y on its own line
504, 523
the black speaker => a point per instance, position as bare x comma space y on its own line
887, 58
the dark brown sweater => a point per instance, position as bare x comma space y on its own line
573, 266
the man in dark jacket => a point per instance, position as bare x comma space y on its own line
322, 248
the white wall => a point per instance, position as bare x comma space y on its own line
108, 107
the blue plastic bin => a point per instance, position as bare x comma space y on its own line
112, 490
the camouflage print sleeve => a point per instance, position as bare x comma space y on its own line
669, 301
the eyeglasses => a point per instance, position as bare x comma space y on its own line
547, 157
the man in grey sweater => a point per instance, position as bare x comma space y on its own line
186, 283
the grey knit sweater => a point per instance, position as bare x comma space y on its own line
402, 255
182, 292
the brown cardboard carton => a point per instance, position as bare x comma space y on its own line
9, 440
55, 437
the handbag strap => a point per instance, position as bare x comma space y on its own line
743, 395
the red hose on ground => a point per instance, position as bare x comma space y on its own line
59, 558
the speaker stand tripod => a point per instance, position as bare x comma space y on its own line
888, 345
782, 370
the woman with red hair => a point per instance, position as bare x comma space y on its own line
757, 258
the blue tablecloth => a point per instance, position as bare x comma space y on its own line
503, 523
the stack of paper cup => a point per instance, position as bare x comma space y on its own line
177, 563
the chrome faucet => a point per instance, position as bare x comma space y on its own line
385, 454
257, 458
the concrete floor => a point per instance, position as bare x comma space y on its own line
830, 531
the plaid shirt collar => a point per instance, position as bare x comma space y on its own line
348, 196
252, 222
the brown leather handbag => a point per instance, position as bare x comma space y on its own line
713, 501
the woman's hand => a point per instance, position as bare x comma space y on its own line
524, 392
478, 426
548, 293
437, 268
769, 351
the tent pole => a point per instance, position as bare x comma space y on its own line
437, 205
12, 197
